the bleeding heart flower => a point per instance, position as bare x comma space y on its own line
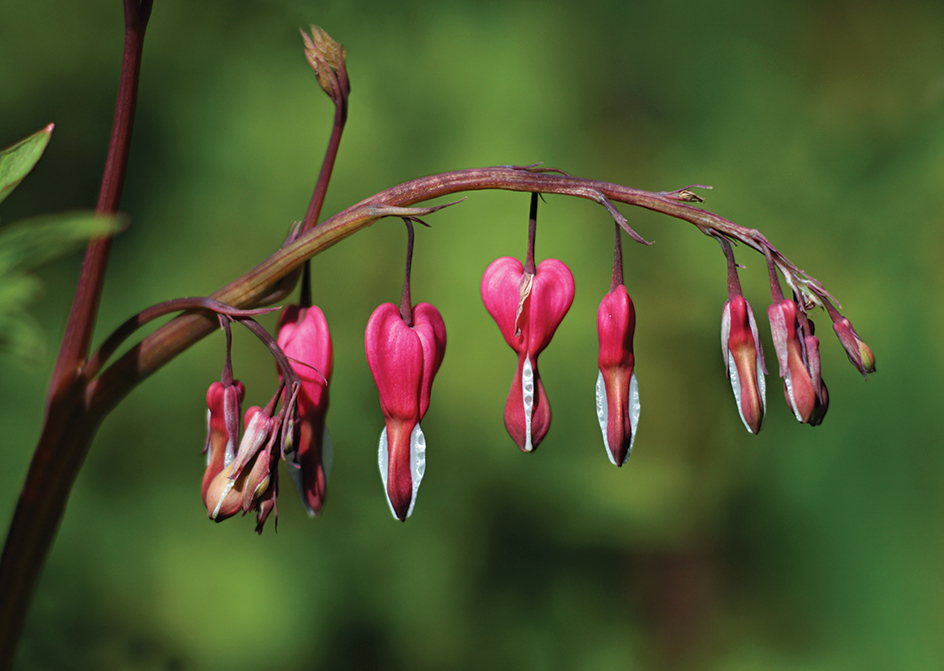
744, 361
404, 360
306, 341
789, 342
528, 308
617, 389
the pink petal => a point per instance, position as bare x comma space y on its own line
552, 294
500, 292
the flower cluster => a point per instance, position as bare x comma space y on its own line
245, 477
795, 343
405, 346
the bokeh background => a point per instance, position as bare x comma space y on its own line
821, 123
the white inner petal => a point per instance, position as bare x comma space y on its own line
603, 411
633, 412
219, 504
788, 381
230, 452
417, 462
384, 462
527, 397
762, 385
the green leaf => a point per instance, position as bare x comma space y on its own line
32, 242
16, 292
20, 335
18, 160
23, 339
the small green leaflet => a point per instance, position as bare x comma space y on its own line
18, 160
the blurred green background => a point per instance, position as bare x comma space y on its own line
820, 123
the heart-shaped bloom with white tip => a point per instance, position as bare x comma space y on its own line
528, 309
404, 360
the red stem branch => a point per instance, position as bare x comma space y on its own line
327, 166
104, 392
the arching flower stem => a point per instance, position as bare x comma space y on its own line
617, 260
406, 305
123, 332
529, 267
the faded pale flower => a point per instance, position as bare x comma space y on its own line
224, 409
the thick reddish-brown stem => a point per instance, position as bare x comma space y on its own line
68, 428
81, 324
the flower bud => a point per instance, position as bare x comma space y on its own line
306, 341
326, 58
858, 352
528, 309
617, 390
744, 361
404, 360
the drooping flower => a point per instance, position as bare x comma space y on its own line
789, 345
528, 308
404, 359
405, 347
797, 353
224, 403
742, 351
306, 341
617, 389
744, 361
244, 480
